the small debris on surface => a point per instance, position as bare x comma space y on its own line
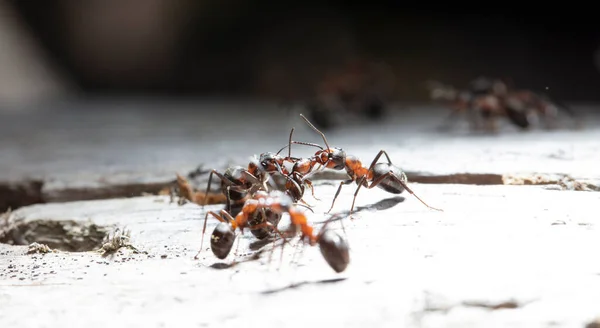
510, 304
562, 181
493, 306
36, 248
64, 235
120, 239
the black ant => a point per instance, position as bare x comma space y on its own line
333, 247
386, 176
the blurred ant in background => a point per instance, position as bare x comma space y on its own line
360, 87
485, 100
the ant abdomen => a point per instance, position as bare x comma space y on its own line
389, 184
222, 240
335, 250
518, 117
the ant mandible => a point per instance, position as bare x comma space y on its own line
334, 248
386, 176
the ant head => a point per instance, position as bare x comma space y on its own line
222, 240
332, 158
335, 250
269, 162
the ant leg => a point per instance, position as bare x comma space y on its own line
171, 195
274, 228
255, 181
299, 250
221, 218
220, 176
305, 204
251, 176
345, 182
312, 189
175, 194
381, 152
331, 219
360, 183
237, 248
401, 182
228, 198
181, 201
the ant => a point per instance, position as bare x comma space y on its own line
491, 99
386, 176
187, 192
237, 182
333, 247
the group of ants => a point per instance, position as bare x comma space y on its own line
252, 205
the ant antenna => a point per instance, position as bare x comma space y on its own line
300, 143
290, 144
316, 130
417, 197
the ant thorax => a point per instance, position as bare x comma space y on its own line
354, 167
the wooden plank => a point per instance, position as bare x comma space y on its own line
496, 256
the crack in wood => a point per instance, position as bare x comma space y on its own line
17, 194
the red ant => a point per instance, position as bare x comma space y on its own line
386, 176
333, 247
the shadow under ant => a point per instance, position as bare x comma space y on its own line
383, 204
299, 284
258, 244
221, 265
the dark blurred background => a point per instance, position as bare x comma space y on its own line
280, 50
